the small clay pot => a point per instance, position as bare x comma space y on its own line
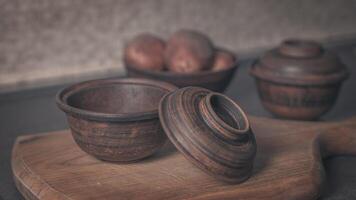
211, 131
299, 79
115, 119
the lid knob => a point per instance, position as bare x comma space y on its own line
224, 117
300, 48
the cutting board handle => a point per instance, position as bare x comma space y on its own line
339, 140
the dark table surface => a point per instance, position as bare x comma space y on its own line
34, 111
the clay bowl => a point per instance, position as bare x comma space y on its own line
115, 119
213, 80
299, 79
297, 102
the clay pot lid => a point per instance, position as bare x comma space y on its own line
300, 62
211, 131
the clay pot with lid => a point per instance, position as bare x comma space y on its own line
299, 79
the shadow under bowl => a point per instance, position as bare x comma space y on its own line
115, 119
213, 80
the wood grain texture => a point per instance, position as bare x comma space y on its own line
288, 165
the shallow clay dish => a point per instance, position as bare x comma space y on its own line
213, 80
115, 119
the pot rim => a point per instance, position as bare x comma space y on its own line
170, 74
65, 93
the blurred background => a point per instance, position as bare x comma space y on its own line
45, 42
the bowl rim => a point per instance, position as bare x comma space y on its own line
65, 93
174, 74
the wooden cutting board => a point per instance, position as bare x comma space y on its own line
288, 166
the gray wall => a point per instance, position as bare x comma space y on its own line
47, 41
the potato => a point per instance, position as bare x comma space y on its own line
223, 60
145, 51
188, 51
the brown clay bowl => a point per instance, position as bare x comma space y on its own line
115, 119
213, 80
295, 101
299, 79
